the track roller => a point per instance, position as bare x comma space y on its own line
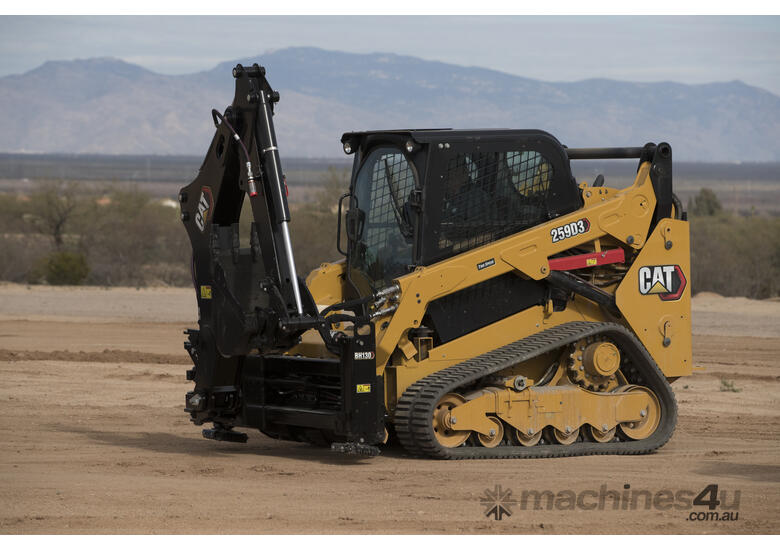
555, 435
526, 439
600, 436
494, 437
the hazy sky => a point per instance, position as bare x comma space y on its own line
554, 48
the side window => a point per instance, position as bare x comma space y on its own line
489, 195
383, 187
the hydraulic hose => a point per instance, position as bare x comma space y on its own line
250, 176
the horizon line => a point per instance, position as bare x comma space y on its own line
478, 67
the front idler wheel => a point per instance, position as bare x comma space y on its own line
444, 424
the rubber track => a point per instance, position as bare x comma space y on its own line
414, 411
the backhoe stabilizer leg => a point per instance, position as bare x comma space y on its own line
360, 449
218, 433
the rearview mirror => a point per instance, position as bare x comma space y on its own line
356, 220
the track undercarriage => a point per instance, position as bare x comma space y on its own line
461, 412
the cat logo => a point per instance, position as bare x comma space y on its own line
667, 281
204, 208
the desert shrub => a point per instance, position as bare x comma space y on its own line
66, 268
705, 203
728, 386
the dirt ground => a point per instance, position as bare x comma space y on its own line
94, 440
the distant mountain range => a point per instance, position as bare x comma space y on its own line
106, 105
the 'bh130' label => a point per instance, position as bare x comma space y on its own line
363, 355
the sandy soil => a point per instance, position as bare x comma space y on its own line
94, 439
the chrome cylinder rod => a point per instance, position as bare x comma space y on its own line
272, 164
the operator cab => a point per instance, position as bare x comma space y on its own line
420, 196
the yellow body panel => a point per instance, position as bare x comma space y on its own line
663, 326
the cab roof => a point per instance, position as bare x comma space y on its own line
429, 135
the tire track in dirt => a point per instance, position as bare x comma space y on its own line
106, 356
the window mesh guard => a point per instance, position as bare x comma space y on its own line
387, 234
491, 195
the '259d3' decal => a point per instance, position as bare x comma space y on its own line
667, 281
569, 230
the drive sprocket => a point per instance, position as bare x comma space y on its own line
593, 364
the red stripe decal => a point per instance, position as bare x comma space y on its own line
581, 261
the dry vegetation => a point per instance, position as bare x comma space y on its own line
62, 233
731, 254
68, 233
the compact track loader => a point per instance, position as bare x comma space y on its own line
487, 306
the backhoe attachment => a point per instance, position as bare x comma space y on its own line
252, 305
